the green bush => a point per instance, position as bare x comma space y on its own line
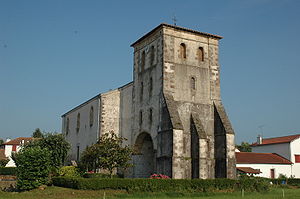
33, 167
8, 170
162, 185
289, 181
3, 162
69, 171
98, 175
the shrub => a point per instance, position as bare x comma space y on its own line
159, 185
98, 175
33, 167
159, 176
69, 171
3, 162
56, 144
8, 171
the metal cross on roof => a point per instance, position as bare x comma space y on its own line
174, 20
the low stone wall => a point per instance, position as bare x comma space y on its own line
8, 182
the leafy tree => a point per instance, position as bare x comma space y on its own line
244, 147
37, 133
33, 167
56, 144
108, 153
1, 141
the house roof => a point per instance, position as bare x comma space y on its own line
277, 140
178, 28
18, 141
260, 158
248, 170
2, 154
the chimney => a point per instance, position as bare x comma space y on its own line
259, 139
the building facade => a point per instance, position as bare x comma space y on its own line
171, 113
268, 165
286, 146
13, 146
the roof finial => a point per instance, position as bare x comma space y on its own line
174, 20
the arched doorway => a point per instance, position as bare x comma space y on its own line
143, 159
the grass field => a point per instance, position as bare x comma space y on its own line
65, 193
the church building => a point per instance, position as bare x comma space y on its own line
171, 113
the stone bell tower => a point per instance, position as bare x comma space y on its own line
179, 125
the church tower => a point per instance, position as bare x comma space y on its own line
179, 125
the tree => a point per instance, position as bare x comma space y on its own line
244, 147
33, 167
37, 133
108, 153
56, 144
1, 141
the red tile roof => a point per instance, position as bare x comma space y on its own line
18, 141
260, 158
248, 170
277, 140
2, 154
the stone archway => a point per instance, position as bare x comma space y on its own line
143, 159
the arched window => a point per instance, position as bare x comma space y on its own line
200, 53
141, 91
152, 55
150, 115
141, 118
78, 123
193, 83
91, 116
183, 50
143, 60
150, 86
67, 126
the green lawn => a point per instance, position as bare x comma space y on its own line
62, 193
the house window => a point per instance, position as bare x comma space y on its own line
78, 123
141, 91
91, 116
150, 86
152, 55
68, 126
141, 118
193, 83
150, 115
297, 158
14, 148
143, 61
182, 50
200, 54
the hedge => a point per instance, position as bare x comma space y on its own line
98, 175
8, 170
161, 185
289, 181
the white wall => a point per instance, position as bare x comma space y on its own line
8, 151
87, 134
282, 149
284, 169
295, 150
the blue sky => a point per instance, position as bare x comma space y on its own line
55, 54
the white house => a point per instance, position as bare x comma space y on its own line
11, 146
268, 165
286, 146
